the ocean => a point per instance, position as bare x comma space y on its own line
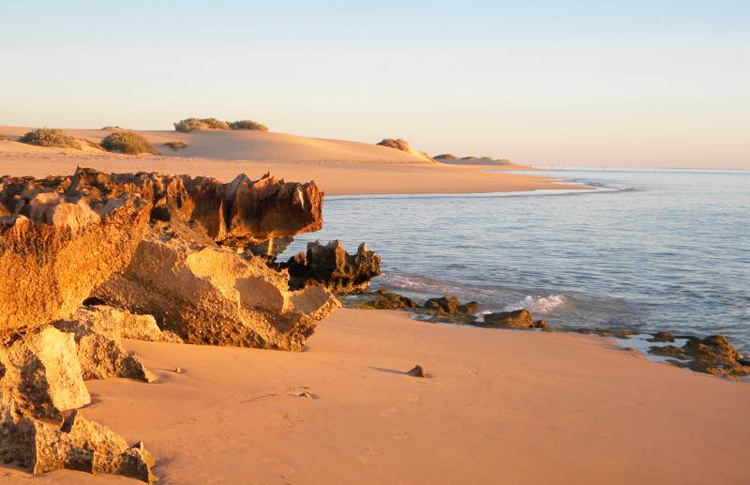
645, 249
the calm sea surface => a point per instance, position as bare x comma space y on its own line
657, 249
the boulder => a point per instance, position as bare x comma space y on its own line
332, 267
210, 295
450, 305
79, 444
514, 319
40, 373
385, 300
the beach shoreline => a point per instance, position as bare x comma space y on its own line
532, 407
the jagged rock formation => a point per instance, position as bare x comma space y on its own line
57, 247
62, 237
331, 266
209, 295
711, 355
41, 379
242, 212
79, 444
514, 319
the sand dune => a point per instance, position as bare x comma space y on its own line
338, 167
501, 407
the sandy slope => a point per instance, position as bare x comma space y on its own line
339, 167
501, 407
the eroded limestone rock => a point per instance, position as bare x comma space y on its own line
331, 266
209, 295
41, 373
55, 249
79, 444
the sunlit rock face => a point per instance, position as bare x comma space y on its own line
210, 295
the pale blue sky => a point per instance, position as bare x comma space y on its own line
578, 82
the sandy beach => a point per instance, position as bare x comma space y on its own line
499, 406
338, 167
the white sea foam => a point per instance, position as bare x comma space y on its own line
539, 304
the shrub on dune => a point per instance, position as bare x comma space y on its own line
128, 142
247, 125
200, 124
49, 137
3, 138
398, 144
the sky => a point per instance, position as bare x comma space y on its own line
597, 83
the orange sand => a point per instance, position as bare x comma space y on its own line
501, 406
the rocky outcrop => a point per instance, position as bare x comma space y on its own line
209, 295
55, 248
450, 305
711, 355
242, 212
386, 300
332, 267
79, 444
514, 319
154, 244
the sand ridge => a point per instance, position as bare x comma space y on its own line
338, 167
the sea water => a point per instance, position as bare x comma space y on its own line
648, 249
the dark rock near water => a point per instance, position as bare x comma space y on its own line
711, 355
662, 336
332, 267
385, 300
450, 305
514, 319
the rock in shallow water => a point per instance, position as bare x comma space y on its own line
711, 355
332, 267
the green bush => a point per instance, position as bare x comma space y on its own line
176, 145
49, 137
247, 125
201, 124
128, 142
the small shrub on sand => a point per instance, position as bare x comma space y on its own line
112, 128
49, 137
3, 137
176, 145
201, 124
398, 144
446, 156
247, 125
128, 142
